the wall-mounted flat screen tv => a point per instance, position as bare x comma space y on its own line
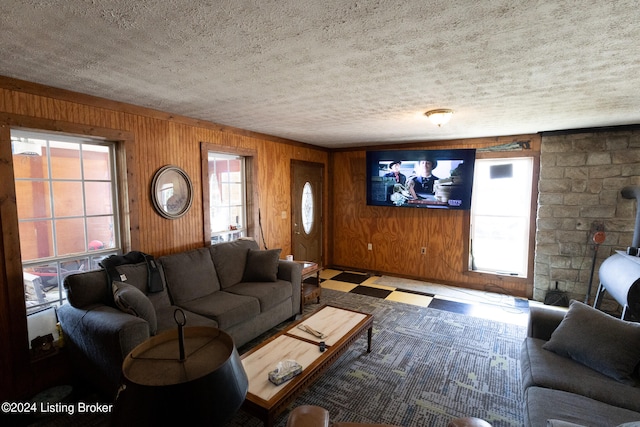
439, 179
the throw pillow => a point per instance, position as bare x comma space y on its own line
261, 266
131, 300
595, 339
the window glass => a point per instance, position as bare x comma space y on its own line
227, 197
307, 208
99, 198
35, 199
69, 236
67, 211
100, 233
36, 239
65, 160
95, 162
29, 157
67, 198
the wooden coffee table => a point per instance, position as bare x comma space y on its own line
341, 328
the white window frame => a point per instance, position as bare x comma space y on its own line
494, 205
23, 141
236, 228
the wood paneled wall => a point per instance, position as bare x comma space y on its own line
152, 139
397, 235
160, 139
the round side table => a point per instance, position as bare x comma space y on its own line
207, 386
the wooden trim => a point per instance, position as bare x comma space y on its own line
127, 196
533, 220
439, 144
466, 241
126, 179
534, 153
324, 202
329, 239
253, 198
619, 128
17, 121
206, 199
13, 312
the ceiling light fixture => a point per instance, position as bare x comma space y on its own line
440, 116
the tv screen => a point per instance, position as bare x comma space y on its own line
439, 179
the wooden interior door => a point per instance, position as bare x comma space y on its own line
306, 211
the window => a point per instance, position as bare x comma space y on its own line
67, 210
227, 197
307, 208
501, 216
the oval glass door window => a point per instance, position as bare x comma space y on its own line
307, 208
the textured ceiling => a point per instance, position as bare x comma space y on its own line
341, 73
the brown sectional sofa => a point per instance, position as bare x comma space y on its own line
233, 286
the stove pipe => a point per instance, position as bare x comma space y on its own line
634, 193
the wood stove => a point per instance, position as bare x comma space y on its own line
620, 273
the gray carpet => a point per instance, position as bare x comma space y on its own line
426, 367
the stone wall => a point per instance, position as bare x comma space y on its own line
581, 175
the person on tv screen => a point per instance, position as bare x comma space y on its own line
421, 184
395, 172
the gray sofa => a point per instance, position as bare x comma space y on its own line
580, 368
233, 286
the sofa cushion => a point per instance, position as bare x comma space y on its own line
190, 275
269, 294
544, 368
225, 308
166, 319
597, 340
230, 259
261, 266
136, 275
542, 404
131, 300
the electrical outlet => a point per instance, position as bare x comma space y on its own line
423, 251
370, 246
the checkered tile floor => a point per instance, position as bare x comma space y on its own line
464, 301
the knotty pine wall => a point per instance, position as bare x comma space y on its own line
153, 139
398, 234
161, 139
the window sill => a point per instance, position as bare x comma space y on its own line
497, 276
